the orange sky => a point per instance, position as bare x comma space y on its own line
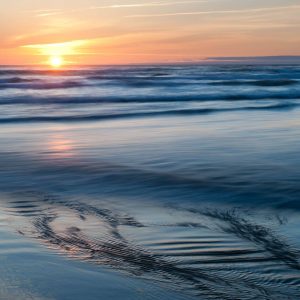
144, 31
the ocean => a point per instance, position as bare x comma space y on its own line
150, 182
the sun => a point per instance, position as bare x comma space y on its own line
56, 61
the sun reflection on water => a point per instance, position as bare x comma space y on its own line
60, 147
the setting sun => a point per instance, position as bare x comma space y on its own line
57, 54
56, 61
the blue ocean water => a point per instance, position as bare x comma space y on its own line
95, 93
170, 181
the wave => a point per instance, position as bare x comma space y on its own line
21, 83
148, 98
18, 80
266, 83
92, 71
173, 112
154, 76
160, 72
36, 84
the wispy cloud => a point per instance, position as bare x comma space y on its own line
129, 5
40, 13
216, 12
41, 10
47, 14
66, 48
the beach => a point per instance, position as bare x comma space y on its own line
150, 182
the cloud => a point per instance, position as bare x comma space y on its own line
216, 12
148, 4
47, 14
58, 49
44, 12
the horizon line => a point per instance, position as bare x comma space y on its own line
271, 59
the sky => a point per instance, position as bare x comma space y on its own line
146, 31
